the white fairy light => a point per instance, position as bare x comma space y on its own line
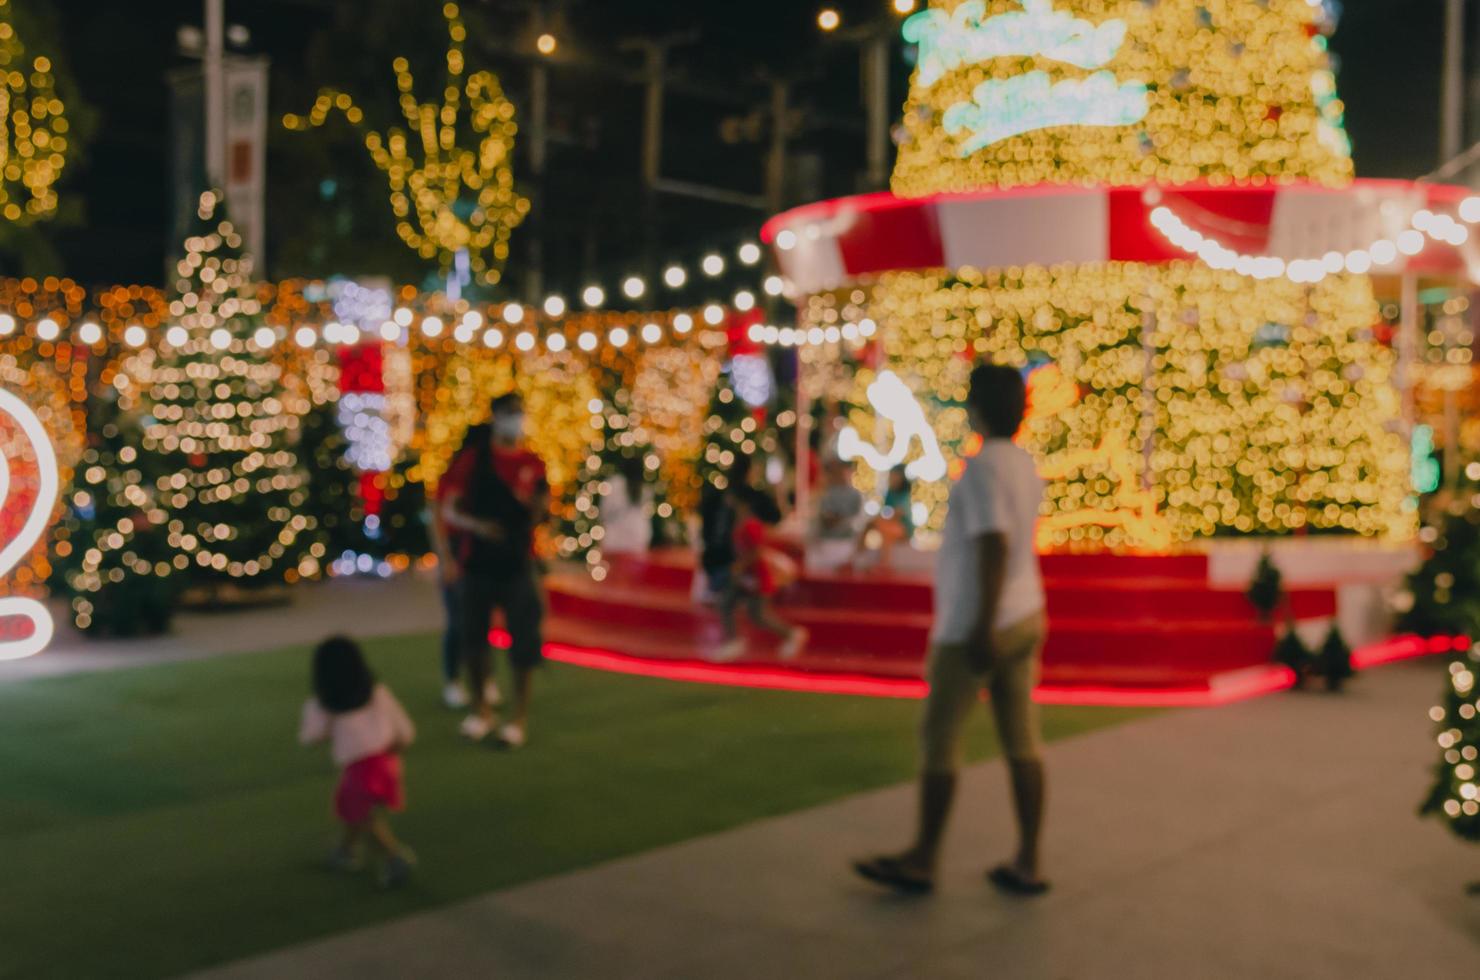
513, 313
592, 296
265, 338
633, 287
682, 324
135, 336
89, 333
554, 306
47, 329
713, 265
651, 333
714, 314
750, 253
525, 341
432, 326
304, 337
674, 276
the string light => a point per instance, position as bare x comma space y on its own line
25, 517
713, 265
593, 296
554, 306
428, 196
35, 133
750, 253
514, 313
674, 277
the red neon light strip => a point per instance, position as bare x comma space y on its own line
1222, 689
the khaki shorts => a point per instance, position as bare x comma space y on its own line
955, 687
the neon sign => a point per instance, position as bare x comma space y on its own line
1005, 108
32, 525
966, 36
893, 400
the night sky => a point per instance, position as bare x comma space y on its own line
118, 57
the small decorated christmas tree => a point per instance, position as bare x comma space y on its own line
1455, 797
113, 560
1267, 590
232, 488
1335, 660
1445, 590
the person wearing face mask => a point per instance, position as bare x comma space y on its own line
495, 496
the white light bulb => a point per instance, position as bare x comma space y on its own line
47, 329
1410, 242
714, 314
757, 333
651, 333
403, 317
493, 339
750, 253
745, 301
472, 319
1469, 209
135, 335
513, 313
7, 324
304, 337
554, 306
89, 333
1358, 262
525, 341
633, 287
264, 338
390, 332
775, 285
682, 323
556, 342
220, 338
587, 341
177, 336
432, 326
674, 276
592, 296
786, 240
1383, 252
619, 337
713, 265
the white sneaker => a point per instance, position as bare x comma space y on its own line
512, 736
491, 694
732, 650
475, 728
794, 644
454, 696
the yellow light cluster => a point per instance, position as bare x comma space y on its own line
1238, 91
33, 129
451, 191
1249, 408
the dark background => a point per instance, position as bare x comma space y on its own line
327, 208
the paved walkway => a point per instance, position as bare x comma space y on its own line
1273, 839
362, 607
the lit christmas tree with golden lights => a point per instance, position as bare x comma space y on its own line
1198, 401
224, 426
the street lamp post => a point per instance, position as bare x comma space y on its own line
215, 92
1451, 140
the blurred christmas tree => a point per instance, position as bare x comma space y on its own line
1445, 590
232, 486
1456, 793
333, 486
739, 421
399, 530
112, 558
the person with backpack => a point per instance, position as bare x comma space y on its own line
495, 495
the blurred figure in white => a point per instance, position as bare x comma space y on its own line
627, 510
839, 518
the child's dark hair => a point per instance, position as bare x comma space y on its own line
1000, 398
342, 681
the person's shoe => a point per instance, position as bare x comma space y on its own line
397, 869
732, 650
512, 736
794, 644
475, 728
491, 694
454, 696
344, 860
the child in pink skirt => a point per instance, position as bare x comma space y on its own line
367, 730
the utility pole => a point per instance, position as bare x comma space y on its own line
215, 93
875, 53
1451, 140
655, 77
539, 134
780, 136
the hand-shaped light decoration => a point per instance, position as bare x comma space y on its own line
454, 199
36, 503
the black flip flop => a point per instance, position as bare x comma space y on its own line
891, 874
1007, 879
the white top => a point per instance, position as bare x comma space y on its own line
999, 492
359, 734
628, 527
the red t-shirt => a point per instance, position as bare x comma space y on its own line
521, 470
750, 540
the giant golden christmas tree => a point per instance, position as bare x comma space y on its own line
1182, 401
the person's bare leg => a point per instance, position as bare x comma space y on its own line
1029, 790
380, 833
523, 689
937, 793
480, 666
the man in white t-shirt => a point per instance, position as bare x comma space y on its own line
989, 633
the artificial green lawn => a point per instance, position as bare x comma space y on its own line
161, 819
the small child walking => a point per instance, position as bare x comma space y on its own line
367, 730
754, 581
